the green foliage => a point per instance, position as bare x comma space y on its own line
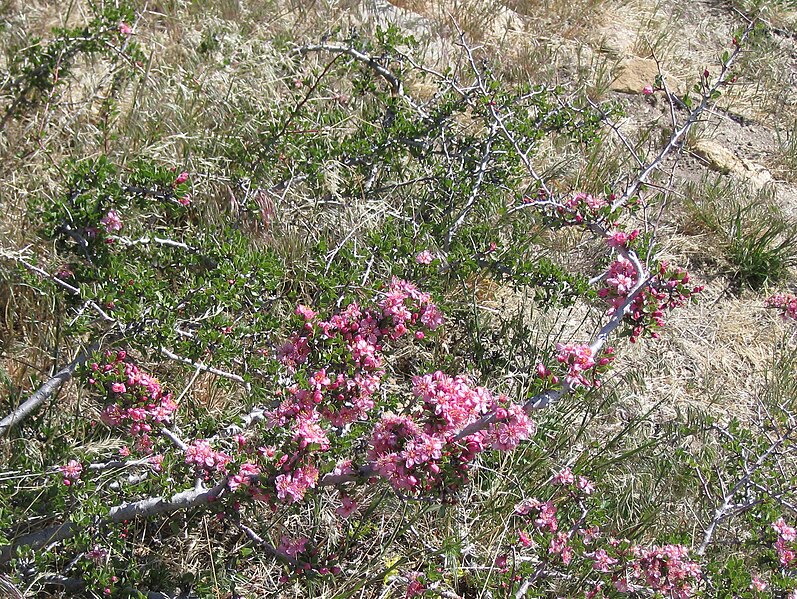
786, 157
758, 241
39, 68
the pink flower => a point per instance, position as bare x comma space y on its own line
292, 547
619, 239
578, 359
97, 554
305, 312
585, 485
125, 29
786, 532
565, 477
204, 457
560, 547
111, 222
602, 561
185, 200
181, 178
348, 508
786, 303
118, 387
293, 486
71, 470
524, 539
547, 518
425, 257
648, 90
156, 461
246, 475
758, 584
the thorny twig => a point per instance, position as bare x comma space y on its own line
28, 407
727, 507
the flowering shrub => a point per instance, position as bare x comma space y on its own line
669, 289
785, 303
134, 399
555, 540
615, 563
339, 365
241, 268
665, 290
784, 545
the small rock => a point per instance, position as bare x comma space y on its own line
633, 74
723, 160
719, 158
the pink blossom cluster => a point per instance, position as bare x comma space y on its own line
565, 477
451, 402
201, 455
619, 282
112, 222
561, 548
784, 544
137, 400
420, 455
583, 368
292, 486
544, 510
247, 474
786, 303
404, 303
338, 366
667, 290
209, 462
578, 359
658, 570
71, 471
757, 584
581, 207
621, 239
663, 569
341, 360
330, 398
